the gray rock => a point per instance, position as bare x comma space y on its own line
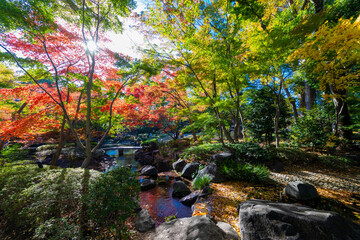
149, 171
180, 189
260, 220
144, 222
222, 156
163, 166
301, 191
213, 172
190, 170
190, 199
147, 184
192, 228
229, 230
179, 165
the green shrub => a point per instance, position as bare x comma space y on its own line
202, 152
13, 153
311, 130
238, 170
57, 228
201, 181
112, 199
250, 152
33, 198
336, 162
150, 141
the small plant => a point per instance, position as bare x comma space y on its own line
13, 153
201, 181
238, 170
169, 218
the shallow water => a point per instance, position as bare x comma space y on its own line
158, 201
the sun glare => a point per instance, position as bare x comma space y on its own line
91, 46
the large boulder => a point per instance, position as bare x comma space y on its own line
229, 230
190, 170
144, 222
179, 165
180, 189
144, 158
192, 228
150, 171
213, 172
301, 191
163, 166
190, 199
146, 184
260, 220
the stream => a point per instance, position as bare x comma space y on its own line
158, 201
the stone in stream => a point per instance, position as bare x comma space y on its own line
301, 191
150, 171
263, 220
190, 199
191, 228
180, 189
190, 170
213, 172
144, 222
147, 184
179, 165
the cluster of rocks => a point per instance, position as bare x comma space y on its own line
71, 157
258, 219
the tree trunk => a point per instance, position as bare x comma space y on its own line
310, 94
276, 125
2, 144
292, 102
343, 118
192, 130
60, 145
242, 124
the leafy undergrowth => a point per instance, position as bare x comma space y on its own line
227, 196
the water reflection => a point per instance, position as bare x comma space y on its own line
160, 204
158, 201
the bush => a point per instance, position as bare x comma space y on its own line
201, 181
238, 170
32, 198
311, 130
57, 228
13, 153
202, 152
112, 199
150, 141
251, 152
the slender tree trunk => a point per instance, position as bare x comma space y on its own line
61, 143
242, 124
2, 144
192, 130
277, 114
276, 123
343, 118
293, 105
